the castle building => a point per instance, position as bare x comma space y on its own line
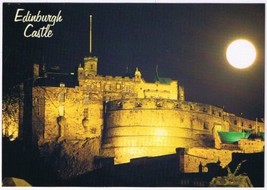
131, 118
79, 112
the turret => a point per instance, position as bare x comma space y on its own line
137, 75
181, 95
36, 70
90, 62
90, 66
80, 72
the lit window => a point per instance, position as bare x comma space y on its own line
118, 86
108, 87
62, 97
85, 113
86, 99
205, 125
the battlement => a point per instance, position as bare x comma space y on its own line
235, 123
157, 103
107, 78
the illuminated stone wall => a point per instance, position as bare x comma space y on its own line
194, 156
157, 90
108, 88
65, 113
239, 124
153, 127
198, 155
67, 125
251, 146
77, 113
114, 88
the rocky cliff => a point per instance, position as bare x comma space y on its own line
70, 158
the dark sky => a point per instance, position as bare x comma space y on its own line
186, 41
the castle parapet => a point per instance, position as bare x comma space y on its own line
158, 103
139, 127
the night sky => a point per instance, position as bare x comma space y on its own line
186, 41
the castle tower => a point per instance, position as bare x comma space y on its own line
90, 62
181, 95
36, 70
80, 72
137, 75
90, 66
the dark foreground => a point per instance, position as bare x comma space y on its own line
162, 171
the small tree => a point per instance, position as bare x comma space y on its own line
10, 114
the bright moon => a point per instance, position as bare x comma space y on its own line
241, 54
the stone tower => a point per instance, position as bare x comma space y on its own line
90, 66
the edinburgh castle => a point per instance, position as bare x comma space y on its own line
126, 118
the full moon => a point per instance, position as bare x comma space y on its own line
241, 54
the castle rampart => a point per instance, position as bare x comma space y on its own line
142, 125
151, 127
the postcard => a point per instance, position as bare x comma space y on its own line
133, 94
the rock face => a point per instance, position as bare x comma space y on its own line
70, 158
